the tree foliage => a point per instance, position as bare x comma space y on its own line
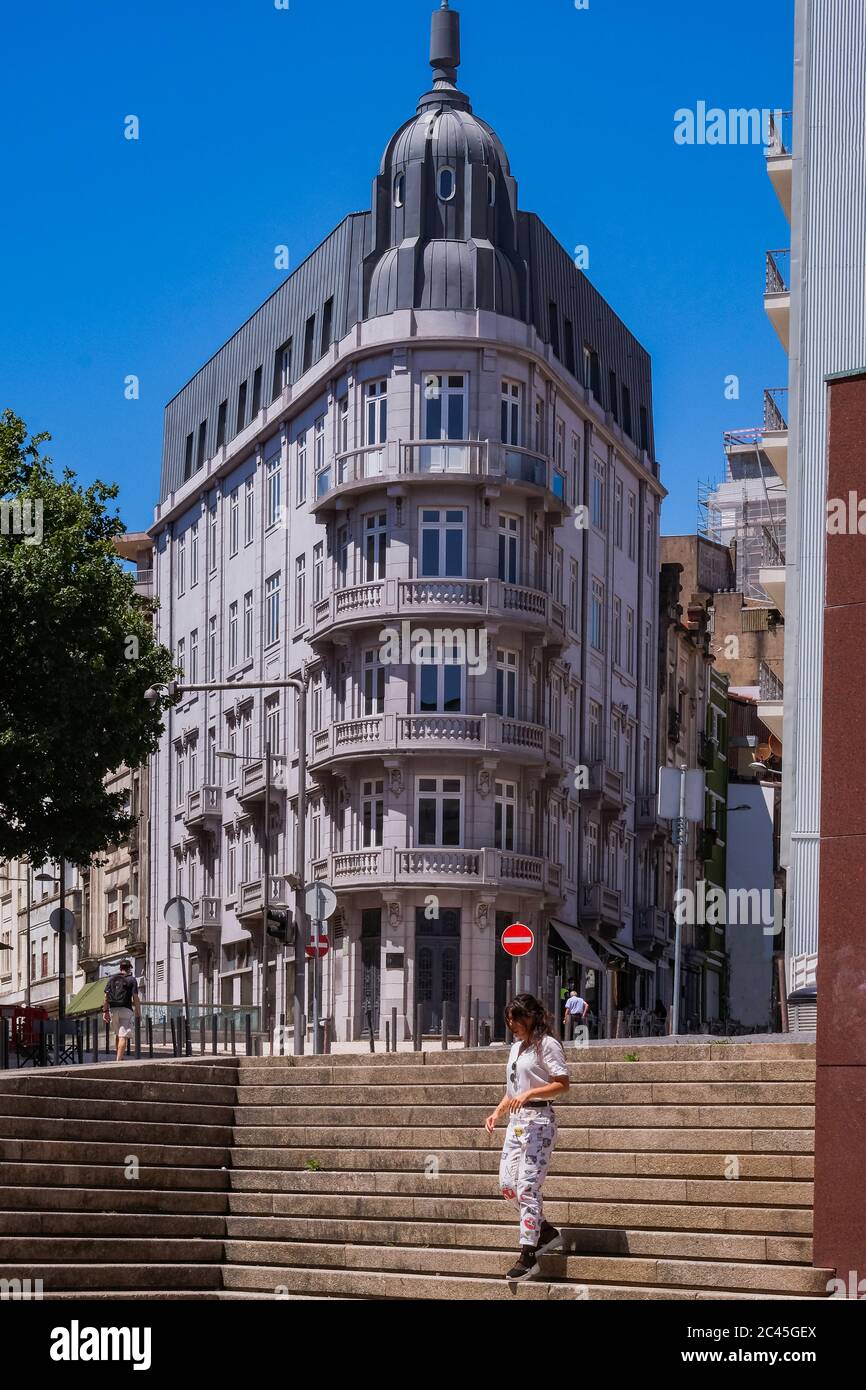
77, 652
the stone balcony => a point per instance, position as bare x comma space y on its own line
600, 907
440, 601
251, 896
605, 790
204, 808
647, 820
652, 927
380, 735
452, 868
251, 783
207, 922
424, 463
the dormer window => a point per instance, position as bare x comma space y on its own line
491, 190
447, 184
399, 190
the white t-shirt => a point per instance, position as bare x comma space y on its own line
537, 1066
575, 1006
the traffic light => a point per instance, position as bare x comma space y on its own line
281, 924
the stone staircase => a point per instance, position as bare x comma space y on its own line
684, 1174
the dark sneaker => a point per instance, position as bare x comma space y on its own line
525, 1263
548, 1234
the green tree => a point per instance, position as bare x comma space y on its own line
77, 652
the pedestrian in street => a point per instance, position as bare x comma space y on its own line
576, 1008
122, 1005
537, 1072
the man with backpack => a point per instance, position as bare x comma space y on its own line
122, 1005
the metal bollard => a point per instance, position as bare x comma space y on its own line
467, 1022
370, 1026
487, 1033
164, 1034
4, 1045
387, 1036
79, 1042
149, 1036
138, 1039
225, 1035
173, 1038
94, 1040
214, 1034
248, 1039
57, 1041
107, 1039
393, 1030
444, 1026
234, 1039
416, 1036
326, 1036
282, 1035
201, 1034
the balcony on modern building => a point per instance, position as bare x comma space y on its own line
779, 157
771, 694
447, 601
768, 441
144, 583
424, 463
252, 783
381, 735
251, 896
771, 575
604, 792
777, 293
204, 808
652, 927
647, 820
207, 920
450, 868
600, 907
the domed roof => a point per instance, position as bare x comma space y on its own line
448, 134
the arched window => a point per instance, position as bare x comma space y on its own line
446, 184
399, 190
491, 190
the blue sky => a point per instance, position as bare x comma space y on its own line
261, 126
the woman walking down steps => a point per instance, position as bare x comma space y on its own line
537, 1072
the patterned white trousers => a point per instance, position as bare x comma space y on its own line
526, 1155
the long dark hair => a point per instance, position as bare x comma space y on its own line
525, 1008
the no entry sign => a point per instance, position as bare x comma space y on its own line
517, 940
318, 944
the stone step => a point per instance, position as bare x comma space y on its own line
113, 1175
362, 1284
254, 1099
160, 1112
131, 1131
453, 1074
79, 1278
631, 1116
432, 1139
630, 1189
595, 1052
96, 1085
709, 1274
581, 1162
258, 1199
119, 1250
66, 1151
126, 1197
207, 1071
86, 1226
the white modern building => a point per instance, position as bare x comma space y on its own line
434, 426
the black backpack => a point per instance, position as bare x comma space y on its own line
119, 991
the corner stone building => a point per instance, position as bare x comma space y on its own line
402, 437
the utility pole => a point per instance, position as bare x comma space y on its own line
266, 896
61, 945
682, 836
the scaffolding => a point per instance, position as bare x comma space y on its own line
746, 512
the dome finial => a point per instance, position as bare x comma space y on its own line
445, 44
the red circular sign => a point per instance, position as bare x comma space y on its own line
318, 945
517, 940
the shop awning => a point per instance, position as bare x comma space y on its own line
88, 999
575, 942
640, 961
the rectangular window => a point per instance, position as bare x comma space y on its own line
248, 625
626, 411
272, 722
241, 419
193, 555
211, 649
181, 566
569, 846
616, 636
440, 811
616, 743
598, 493
445, 406
316, 717
372, 813
301, 470
594, 731
650, 545
443, 543
375, 545
632, 533
628, 870
272, 610
596, 622
540, 427
593, 372
319, 445
629, 640
614, 396
179, 772
181, 657
373, 683
187, 456
318, 572
511, 425
193, 657
273, 491
257, 393
202, 445
233, 636
509, 549
574, 596
505, 815
629, 758
568, 335
282, 369
556, 573
249, 509
341, 558
553, 322
343, 426
212, 541
234, 522
440, 682
559, 447
507, 667
647, 655
575, 469
309, 339
617, 512
375, 412
571, 728
644, 429
300, 591
231, 863
222, 419
327, 327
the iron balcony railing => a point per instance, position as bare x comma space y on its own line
770, 687
778, 272
772, 555
776, 408
780, 140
